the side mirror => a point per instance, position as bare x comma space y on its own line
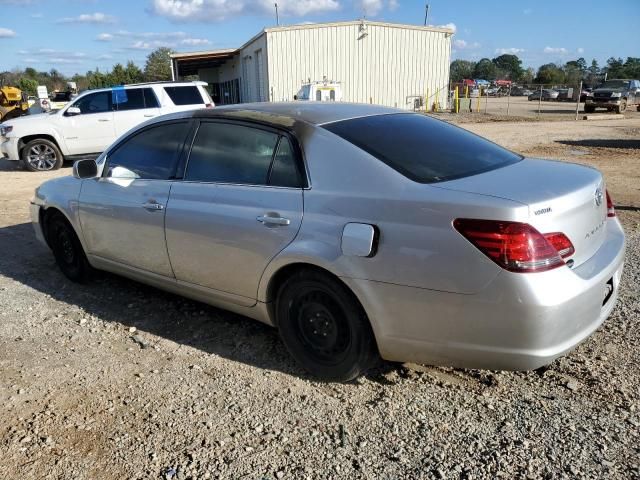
85, 169
71, 111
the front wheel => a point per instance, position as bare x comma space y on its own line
41, 155
324, 327
622, 107
67, 249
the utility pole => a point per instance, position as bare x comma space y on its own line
426, 15
277, 17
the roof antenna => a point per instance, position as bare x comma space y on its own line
426, 15
277, 17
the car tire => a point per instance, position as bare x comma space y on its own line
67, 249
622, 107
589, 109
324, 327
41, 155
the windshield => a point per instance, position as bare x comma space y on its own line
421, 148
303, 94
62, 97
615, 84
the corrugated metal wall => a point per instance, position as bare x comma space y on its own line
253, 71
386, 66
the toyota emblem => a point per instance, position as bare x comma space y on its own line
598, 196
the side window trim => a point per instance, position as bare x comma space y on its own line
297, 151
179, 157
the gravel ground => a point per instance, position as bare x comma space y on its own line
118, 380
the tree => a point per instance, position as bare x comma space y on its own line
550, 73
528, 76
158, 66
572, 73
118, 75
461, 69
133, 73
509, 66
485, 69
28, 85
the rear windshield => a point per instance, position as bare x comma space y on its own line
422, 148
184, 95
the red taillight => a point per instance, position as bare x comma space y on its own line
561, 243
611, 212
515, 246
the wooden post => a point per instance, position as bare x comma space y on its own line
578, 100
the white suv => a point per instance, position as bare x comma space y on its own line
88, 125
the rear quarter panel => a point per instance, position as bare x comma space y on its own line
417, 245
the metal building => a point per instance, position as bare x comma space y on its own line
374, 62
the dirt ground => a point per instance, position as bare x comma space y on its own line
115, 379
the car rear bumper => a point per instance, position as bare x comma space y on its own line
519, 322
9, 148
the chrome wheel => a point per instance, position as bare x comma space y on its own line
41, 157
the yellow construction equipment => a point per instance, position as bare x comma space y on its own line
13, 103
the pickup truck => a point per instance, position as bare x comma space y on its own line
615, 94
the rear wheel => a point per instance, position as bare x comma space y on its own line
622, 107
324, 327
41, 155
589, 109
67, 249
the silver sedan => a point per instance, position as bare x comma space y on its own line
357, 231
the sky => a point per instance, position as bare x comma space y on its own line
80, 35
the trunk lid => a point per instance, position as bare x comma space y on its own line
562, 197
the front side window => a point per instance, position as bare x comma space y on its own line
184, 95
229, 153
99, 102
151, 154
421, 148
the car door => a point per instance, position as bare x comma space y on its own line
239, 205
132, 106
122, 212
92, 130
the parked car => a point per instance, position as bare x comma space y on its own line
547, 94
520, 92
615, 94
89, 124
356, 230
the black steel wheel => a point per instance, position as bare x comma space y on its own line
324, 327
67, 249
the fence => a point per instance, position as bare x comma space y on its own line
537, 100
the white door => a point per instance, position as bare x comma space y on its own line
260, 95
93, 130
132, 106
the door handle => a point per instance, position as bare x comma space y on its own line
103, 120
268, 220
153, 206
150, 115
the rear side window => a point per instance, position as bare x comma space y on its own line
184, 95
134, 99
284, 172
229, 153
421, 148
151, 154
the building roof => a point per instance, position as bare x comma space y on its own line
226, 53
